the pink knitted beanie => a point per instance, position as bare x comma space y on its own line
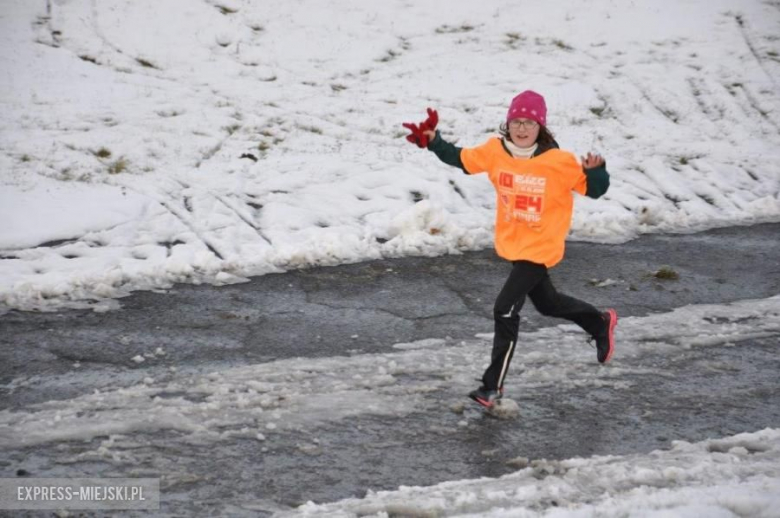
528, 105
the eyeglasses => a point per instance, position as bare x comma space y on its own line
527, 124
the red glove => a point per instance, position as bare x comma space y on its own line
431, 122
417, 136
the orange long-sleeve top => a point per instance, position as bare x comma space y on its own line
534, 199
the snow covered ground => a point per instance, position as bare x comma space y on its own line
724, 478
123, 127
144, 143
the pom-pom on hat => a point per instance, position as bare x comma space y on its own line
528, 105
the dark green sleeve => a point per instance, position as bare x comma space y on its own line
446, 152
598, 181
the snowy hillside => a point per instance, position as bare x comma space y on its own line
124, 124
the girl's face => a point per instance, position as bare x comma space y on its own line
523, 132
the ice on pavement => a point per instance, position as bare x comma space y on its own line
720, 478
124, 125
295, 394
732, 476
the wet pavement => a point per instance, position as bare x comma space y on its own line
368, 307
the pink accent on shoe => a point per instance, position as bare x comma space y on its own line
613, 318
484, 403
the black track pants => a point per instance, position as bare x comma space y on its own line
531, 279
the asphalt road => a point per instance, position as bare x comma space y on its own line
318, 312
368, 307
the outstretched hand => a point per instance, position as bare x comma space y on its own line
416, 135
431, 122
592, 161
424, 132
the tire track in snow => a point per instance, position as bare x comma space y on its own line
743, 31
754, 103
700, 93
237, 211
208, 155
188, 223
668, 114
183, 218
244, 218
